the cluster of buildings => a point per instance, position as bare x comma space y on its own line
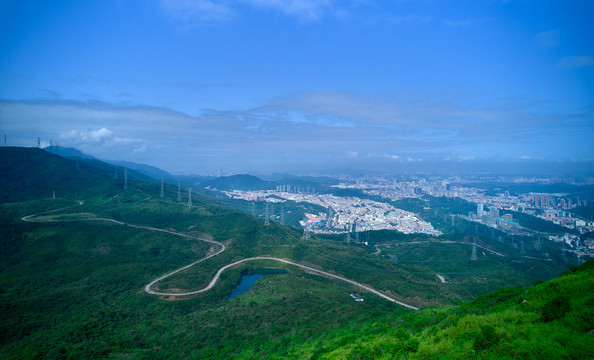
492, 217
353, 214
345, 214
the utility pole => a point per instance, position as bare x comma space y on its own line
266, 220
125, 178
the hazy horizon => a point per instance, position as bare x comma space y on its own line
252, 86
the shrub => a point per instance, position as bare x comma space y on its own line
556, 308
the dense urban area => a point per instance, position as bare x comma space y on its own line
495, 208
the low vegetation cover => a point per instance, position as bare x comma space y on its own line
552, 320
71, 284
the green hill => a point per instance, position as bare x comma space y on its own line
552, 320
71, 283
32, 173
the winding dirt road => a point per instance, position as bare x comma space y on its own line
149, 286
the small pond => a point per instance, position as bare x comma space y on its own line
249, 278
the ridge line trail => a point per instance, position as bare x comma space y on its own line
148, 288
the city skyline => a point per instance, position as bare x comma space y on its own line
277, 85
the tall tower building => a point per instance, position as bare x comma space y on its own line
480, 208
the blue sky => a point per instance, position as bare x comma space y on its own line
268, 85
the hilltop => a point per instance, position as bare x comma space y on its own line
32, 173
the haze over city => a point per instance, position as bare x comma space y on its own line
276, 85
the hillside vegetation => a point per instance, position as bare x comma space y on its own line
552, 320
71, 282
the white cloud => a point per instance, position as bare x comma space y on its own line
202, 11
139, 149
465, 157
99, 136
569, 62
303, 9
192, 12
352, 154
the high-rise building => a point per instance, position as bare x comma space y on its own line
480, 210
494, 211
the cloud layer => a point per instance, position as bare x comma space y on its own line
316, 128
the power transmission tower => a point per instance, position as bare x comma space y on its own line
125, 178
190, 198
306, 233
39, 142
253, 209
162, 192
54, 195
266, 220
115, 173
178, 190
4, 140
522, 247
473, 255
282, 216
357, 237
348, 238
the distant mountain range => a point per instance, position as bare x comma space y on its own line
223, 183
148, 170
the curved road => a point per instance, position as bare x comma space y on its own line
149, 286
